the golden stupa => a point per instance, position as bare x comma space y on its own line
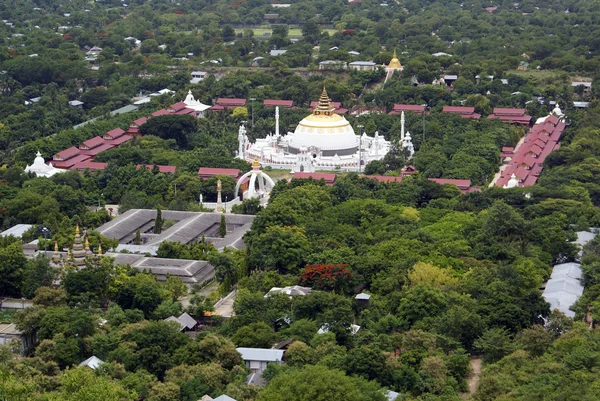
395, 63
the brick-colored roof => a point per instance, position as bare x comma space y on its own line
119, 140
98, 149
283, 103
177, 106
88, 164
67, 153
207, 172
415, 108
92, 143
139, 122
461, 184
508, 111
223, 101
68, 163
459, 109
113, 133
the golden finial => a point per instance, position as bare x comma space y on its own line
87, 244
324, 106
99, 249
55, 246
394, 63
255, 163
77, 229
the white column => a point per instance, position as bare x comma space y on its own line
277, 122
402, 127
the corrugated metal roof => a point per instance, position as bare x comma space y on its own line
17, 230
261, 354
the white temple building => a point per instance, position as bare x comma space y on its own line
196, 105
41, 169
323, 140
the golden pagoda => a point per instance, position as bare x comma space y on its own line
394, 63
56, 255
324, 108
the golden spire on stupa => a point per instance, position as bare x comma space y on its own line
99, 248
395, 63
87, 244
77, 229
255, 163
324, 106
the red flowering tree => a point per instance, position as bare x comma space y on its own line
326, 276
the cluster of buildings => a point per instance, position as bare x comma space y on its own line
523, 164
323, 140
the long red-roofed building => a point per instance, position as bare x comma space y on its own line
207, 172
414, 108
286, 104
228, 103
511, 116
526, 163
463, 111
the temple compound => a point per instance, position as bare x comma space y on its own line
323, 140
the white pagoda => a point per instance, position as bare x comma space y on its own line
323, 140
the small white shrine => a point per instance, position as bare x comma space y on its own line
41, 169
196, 105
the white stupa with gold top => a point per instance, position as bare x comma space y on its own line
323, 140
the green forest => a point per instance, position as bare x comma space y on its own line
452, 279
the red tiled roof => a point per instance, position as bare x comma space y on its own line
207, 172
67, 153
177, 106
458, 109
120, 140
530, 180
508, 112
68, 163
273, 102
534, 149
160, 112
508, 149
461, 184
217, 107
113, 133
223, 101
162, 169
92, 143
341, 110
185, 111
415, 108
524, 120
328, 177
97, 149
88, 164
139, 122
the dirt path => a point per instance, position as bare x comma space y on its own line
474, 379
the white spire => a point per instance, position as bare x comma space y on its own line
402, 127
277, 122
